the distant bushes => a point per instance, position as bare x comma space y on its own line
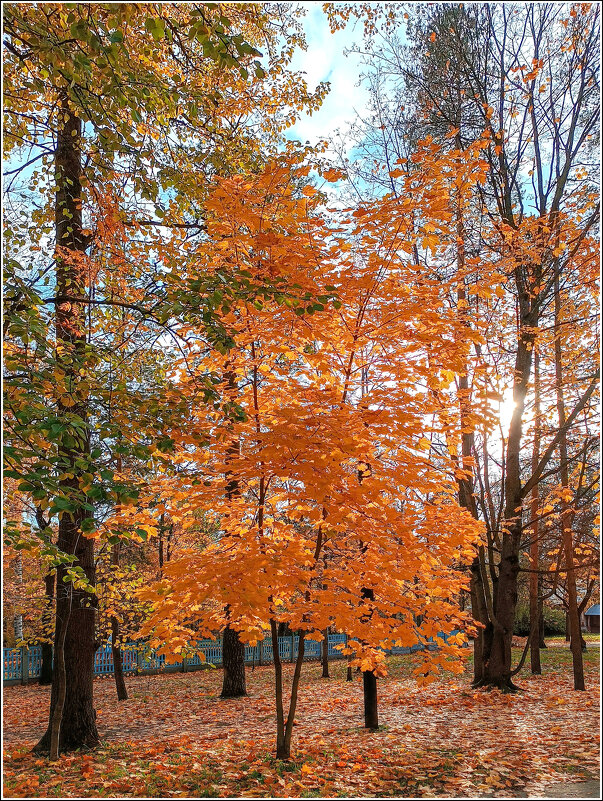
554, 621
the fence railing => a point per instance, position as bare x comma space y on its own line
20, 665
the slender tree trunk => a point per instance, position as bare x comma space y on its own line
46, 668
567, 514
284, 729
161, 533
324, 654
541, 640
118, 669
75, 607
465, 484
535, 602
233, 663
233, 650
59, 685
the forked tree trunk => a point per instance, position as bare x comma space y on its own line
233, 663
284, 728
75, 610
497, 657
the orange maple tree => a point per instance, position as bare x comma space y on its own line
341, 518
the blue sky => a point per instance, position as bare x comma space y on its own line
324, 60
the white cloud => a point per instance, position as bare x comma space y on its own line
324, 60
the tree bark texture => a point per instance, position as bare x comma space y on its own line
233, 663
75, 611
497, 657
324, 655
369, 683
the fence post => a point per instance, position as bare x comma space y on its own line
24, 665
138, 661
292, 647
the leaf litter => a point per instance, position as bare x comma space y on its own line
175, 737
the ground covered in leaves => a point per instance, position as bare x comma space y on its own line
176, 737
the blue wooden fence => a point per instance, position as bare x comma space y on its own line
19, 665
23, 664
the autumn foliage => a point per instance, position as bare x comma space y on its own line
244, 395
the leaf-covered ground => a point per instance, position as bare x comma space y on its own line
176, 737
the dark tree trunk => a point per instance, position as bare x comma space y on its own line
324, 655
369, 684
118, 669
371, 717
535, 600
46, 668
541, 640
75, 611
233, 663
567, 514
161, 531
497, 659
284, 728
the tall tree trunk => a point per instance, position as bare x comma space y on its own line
566, 512
497, 662
284, 728
324, 655
369, 683
466, 498
59, 683
46, 668
535, 602
541, 640
118, 669
233, 651
75, 606
233, 663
